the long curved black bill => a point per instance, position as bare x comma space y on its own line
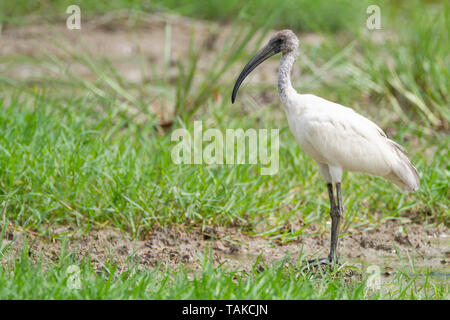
264, 54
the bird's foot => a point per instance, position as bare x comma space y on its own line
320, 263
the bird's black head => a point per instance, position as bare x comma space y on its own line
284, 41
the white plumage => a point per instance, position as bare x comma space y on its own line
338, 139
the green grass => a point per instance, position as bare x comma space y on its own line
88, 151
72, 165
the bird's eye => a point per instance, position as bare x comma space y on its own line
278, 42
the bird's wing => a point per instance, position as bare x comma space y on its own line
347, 139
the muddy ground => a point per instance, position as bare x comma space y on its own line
429, 247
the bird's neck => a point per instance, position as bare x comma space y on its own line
285, 88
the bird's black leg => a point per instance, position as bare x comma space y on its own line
335, 213
331, 196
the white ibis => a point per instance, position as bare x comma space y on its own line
336, 137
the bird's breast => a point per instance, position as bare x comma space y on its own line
297, 124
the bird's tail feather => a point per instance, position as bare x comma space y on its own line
403, 174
